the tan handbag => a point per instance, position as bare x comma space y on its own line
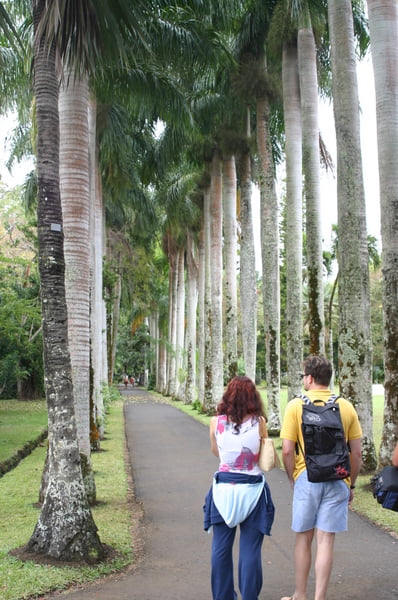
268, 458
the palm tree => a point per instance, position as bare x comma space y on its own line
247, 272
256, 86
230, 257
208, 398
383, 22
216, 275
190, 394
311, 170
98, 350
74, 537
355, 349
293, 150
75, 198
201, 308
51, 26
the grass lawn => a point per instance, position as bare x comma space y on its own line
20, 423
18, 516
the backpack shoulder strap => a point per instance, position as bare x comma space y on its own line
304, 398
333, 399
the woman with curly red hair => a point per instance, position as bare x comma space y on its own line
239, 494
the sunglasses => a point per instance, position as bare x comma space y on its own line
302, 375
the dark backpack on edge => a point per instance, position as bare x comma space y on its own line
385, 487
326, 452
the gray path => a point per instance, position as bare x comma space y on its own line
172, 470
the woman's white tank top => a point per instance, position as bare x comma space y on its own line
238, 451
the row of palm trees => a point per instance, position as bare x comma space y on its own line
233, 82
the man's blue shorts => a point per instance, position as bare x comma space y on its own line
321, 505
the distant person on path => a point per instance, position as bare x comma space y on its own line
319, 509
395, 456
239, 494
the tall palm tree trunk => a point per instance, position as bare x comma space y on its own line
216, 276
209, 402
191, 330
75, 198
355, 342
270, 263
65, 529
114, 294
312, 187
230, 258
97, 251
383, 21
180, 322
172, 336
247, 276
200, 375
294, 242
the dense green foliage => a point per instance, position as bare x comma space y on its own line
21, 365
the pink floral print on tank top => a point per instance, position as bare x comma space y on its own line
238, 451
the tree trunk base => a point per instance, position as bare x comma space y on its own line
23, 554
66, 530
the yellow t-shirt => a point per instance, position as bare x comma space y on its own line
291, 427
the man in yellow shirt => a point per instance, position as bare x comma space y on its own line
317, 507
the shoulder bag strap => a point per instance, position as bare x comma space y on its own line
263, 431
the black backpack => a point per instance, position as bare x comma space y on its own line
385, 487
326, 452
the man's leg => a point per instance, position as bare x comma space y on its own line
302, 560
323, 562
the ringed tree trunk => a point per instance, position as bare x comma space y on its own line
180, 323
216, 276
172, 334
75, 198
247, 278
355, 342
192, 303
98, 311
209, 402
311, 169
294, 233
113, 295
383, 22
230, 258
269, 216
200, 375
65, 529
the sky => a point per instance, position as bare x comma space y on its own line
19, 171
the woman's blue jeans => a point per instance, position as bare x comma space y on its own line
250, 573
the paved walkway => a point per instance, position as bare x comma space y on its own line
172, 471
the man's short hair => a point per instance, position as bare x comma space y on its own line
319, 367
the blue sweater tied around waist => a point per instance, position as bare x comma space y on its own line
233, 497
